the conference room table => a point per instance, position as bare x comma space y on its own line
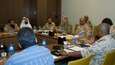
51, 41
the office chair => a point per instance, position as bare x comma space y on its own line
109, 58
82, 61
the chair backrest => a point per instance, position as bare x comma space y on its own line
76, 25
114, 64
95, 31
82, 61
109, 58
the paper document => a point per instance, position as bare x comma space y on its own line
55, 57
76, 48
70, 36
67, 50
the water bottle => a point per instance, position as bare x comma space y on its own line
43, 30
43, 42
63, 32
34, 28
73, 40
40, 28
11, 48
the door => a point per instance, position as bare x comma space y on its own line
54, 10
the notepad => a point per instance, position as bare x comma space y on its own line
69, 37
55, 57
67, 50
76, 48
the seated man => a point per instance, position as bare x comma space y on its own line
65, 25
11, 26
87, 20
25, 23
32, 54
99, 48
83, 28
50, 25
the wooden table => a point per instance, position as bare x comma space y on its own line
50, 47
7, 38
51, 41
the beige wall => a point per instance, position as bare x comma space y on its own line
95, 9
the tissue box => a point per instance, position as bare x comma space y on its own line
61, 39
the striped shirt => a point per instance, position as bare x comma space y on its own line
34, 55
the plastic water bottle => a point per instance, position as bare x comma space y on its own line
43, 32
40, 28
73, 40
11, 48
43, 42
63, 32
34, 28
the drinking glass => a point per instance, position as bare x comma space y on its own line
65, 44
3, 54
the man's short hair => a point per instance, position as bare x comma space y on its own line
104, 28
10, 20
26, 37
